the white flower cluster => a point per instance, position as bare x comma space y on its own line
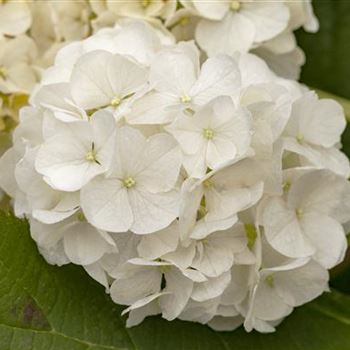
32, 31
211, 192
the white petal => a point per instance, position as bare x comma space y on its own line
139, 283
254, 70
46, 236
96, 271
238, 287
154, 108
321, 122
138, 315
267, 305
142, 302
217, 256
211, 10
15, 18
55, 255
84, 244
320, 157
62, 158
8, 163
211, 288
104, 134
234, 33
204, 227
90, 85
130, 146
106, 205
269, 19
323, 192
187, 133
182, 258
155, 245
56, 97
227, 324
180, 289
282, 230
219, 76
162, 162
173, 72
327, 236
301, 285
190, 199
152, 212
126, 77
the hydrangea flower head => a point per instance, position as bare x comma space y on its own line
211, 191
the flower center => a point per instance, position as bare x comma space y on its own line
300, 138
3, 72
115, 102
129, 182
235, 5
81, 217
164, 268
208, 183
205, 241
251, 235
208, 133
299, 213
91, 156
270, 281
146, 3
185, 99
286, 186
184, 21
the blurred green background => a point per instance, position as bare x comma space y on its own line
328, 51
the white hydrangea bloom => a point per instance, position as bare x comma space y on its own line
15, 17
209, 190
139, 193
77, 152
213, 135
316, 204
17, 73
237, 25
178, 83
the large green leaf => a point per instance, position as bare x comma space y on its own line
43, 307
328, 51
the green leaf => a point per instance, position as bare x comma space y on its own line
328, 51
44, 307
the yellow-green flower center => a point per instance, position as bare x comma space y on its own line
129, 182
145, 3
185, 99
208, 133
91, 156
235, 5
208, 183
81, 217
299, 213
3, 72
115, 102
300, 138
251, 235
270, 281
184, 21
164, 268
286, 186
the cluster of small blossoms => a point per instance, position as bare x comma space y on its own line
32, 31
212, 192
